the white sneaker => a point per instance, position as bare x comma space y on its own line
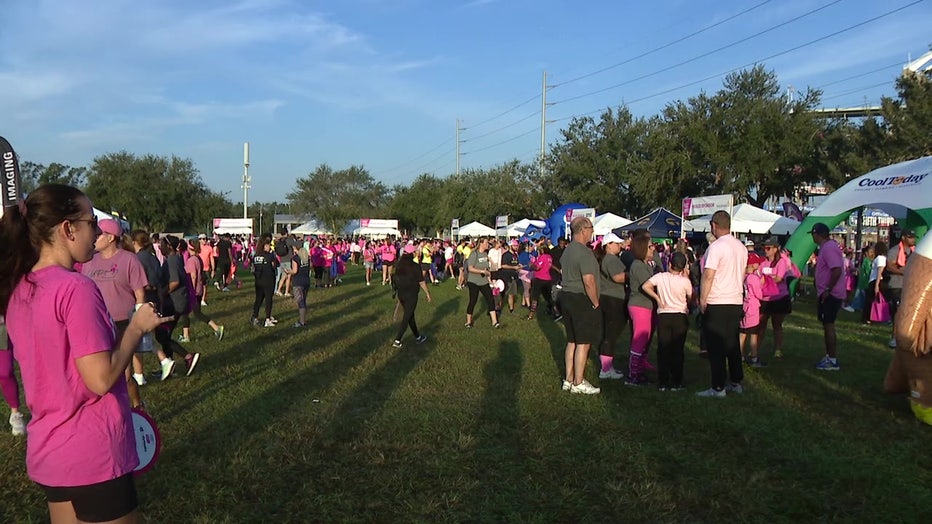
712, 392
612, 374
18, 423
892, 343
584, 388
849, 309
734, 388
167, 369
140, 379
203, 304
269, 323
567, 385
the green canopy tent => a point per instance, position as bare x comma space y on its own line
903, 189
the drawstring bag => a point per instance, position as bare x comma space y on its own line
880, 309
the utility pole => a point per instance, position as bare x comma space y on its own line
457, 147
245, 179
543, 124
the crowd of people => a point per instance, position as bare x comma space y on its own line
98, 298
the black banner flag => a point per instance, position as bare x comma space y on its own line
11, 185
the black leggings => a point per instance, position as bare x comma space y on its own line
408, 304
614, 320
163, 335
474, 290
264, 291
223, 272
671, 337
538, 287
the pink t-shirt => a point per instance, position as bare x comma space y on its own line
674, 289
193, 265
830, 256
753, 292
780, 269
117, 277
388, 253
728, 257
206, 255
542, 267
75, 437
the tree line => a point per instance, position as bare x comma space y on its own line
747, 139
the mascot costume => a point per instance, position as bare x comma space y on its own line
911, 369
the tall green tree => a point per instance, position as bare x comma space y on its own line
155, 193
417, 206
908, 119
336, 197
35, 175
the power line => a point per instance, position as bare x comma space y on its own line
415, 159
879, 69
853, 91
535, 130
703, 55
516, 122
503, 113
661, 48
781, 53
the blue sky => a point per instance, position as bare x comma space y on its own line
381, 83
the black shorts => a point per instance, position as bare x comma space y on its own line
753, 330
583, 323
388, 263
783, 306
318, 272
101, 502
425, 267
828, 310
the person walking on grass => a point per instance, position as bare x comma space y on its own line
874, 278
613, 302
121, 280
775, 302
195, 272
580, 306
830, 290
368, 260
9, 386
80, 448
175, 301
542, 282
672, 292
478, 281
408, 281
722, 304
300, 281
224, 264
207, 264
264, 264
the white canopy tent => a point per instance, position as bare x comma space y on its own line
517, 229
475, 229
376, 232
605, 223
746, 218
313, 227
232, 226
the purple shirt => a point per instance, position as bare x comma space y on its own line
830, 257
117, 277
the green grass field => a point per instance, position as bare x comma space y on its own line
332, 424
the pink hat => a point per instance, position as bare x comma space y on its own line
513, 243
108, 225
754, 258
410, 248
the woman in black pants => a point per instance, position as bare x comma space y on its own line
264, 266
478, 280
407, 281
612, 303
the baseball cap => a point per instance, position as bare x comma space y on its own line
772, 241
513, 243
202, 236
820, 229
410, 248
610, 238
754, 258
909, 233
749, 242
108, 225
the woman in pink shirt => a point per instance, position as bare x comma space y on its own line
80, 448
672, 291
542, 283
387, 252
776, 305
751, 326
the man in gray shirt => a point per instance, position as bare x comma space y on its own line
896, 263
579, 303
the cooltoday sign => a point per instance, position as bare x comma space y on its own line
889, 182
707, 205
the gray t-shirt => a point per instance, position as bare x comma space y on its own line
639, 273
479, 261
578, 260
612, 265
896, 281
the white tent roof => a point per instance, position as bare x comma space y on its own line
313, 227
604, 224
379, 232
746, 218
475, 229
517, 229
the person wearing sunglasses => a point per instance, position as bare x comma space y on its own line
81, 448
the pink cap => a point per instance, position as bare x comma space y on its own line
108, 225
410, 248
